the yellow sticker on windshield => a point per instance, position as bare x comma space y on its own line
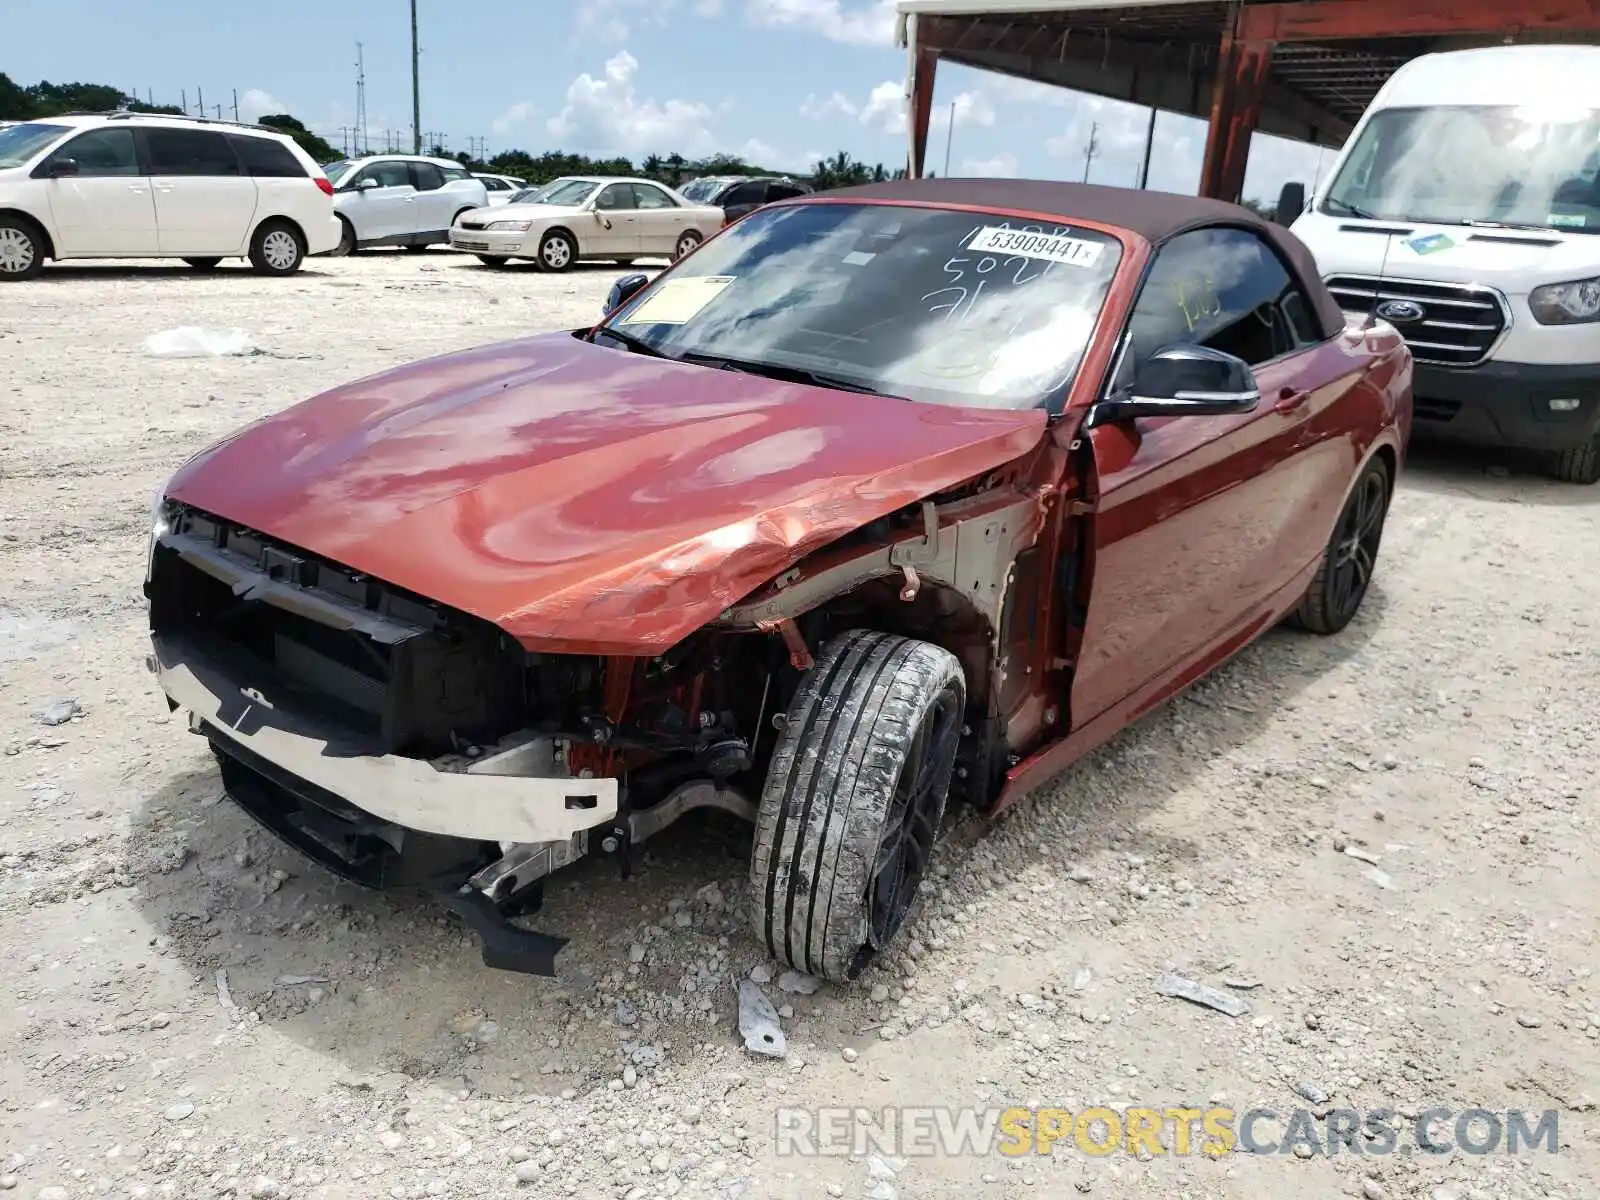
676, 301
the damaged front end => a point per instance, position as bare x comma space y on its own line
401, 744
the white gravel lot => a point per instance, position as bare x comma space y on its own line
1451, 734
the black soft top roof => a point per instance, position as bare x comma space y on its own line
1154, 216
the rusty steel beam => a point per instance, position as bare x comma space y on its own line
1235, 108
927, 60
1337, 20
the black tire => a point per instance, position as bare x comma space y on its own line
1351, 558
493, 260
557, 251
1580, 464
687, 241
277, 249
838, 799
347, 239
22, 249
203, 264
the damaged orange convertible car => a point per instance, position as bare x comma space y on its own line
880, 496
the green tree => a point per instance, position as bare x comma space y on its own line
317, 147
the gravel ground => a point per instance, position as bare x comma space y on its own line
195, 1011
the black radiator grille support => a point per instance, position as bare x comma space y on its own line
1459, 325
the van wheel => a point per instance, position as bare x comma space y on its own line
1342, 579
1580, 464
277, 249
853, 800
203, 264
21, 249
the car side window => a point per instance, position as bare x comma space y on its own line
616, 195
265, 158
745, 193
386, 174
189, 152
646, 196
426, 177
453, 174
102, 152
1225, 288
494, 185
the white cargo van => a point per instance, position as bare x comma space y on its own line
1465, 211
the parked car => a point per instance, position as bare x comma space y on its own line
128, 185
501, 187
737, 195
400, 200
574, 219
920, 488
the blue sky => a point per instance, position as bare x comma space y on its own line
780, 82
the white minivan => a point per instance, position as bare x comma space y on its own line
133, 185
1465, 210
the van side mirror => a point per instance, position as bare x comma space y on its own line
1183, 380
1291, 203
623, 290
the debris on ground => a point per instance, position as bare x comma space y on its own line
1177, 986
758, 1022
58, 712
197, 341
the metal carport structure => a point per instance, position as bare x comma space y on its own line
1301, 69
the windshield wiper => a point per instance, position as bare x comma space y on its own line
792, 374
636, 344
1477, 224
1350, 210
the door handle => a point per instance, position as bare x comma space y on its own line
1290, 399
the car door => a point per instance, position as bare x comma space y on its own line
661, 219
616, 229
101, 201
432, 210
382, 204
205, 203
1201, 522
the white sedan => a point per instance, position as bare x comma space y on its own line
580, 218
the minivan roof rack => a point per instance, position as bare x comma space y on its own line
123, 114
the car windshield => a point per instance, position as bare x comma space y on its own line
928, 304
336, 171
700, 189
1468, 165
560, 191
20, 143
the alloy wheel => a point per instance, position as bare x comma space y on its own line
1356, 549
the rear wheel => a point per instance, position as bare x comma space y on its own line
1347, 566
1580, 464
277, 249
687, 241
347, 239
853, 800
203, 264
21, 249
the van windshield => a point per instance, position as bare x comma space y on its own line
1494, 165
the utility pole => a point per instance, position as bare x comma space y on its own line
183, 99
1149, 145
416, 94
1091, 150
235, 104
359, 133
200, 99
949, 136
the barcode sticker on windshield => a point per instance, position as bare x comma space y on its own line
1073, 252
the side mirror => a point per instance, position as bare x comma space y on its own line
622, 291
1291, 203
61, 167
366, 185
1181, 380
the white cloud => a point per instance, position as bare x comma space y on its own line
255, 104
856, 22
513, 116
835, 105
612, 20
605, 115
1000, 166
885, 109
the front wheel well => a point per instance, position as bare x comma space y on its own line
20, 215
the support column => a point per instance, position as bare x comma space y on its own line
924, 64
1242, 68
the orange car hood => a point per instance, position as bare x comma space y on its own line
583, 498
